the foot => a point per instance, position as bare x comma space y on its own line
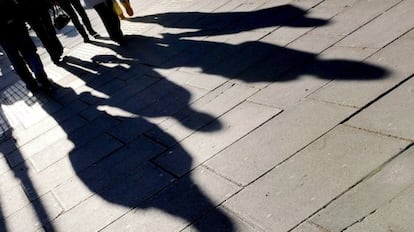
94, 34
47, 86
128, 7
57, 60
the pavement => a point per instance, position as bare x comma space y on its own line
233, 115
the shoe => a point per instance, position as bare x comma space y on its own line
47, 86
94, 34
34, 88
128, 7
57, 60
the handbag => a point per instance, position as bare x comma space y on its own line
60, 18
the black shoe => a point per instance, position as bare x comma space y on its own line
57, 60
94, 34
47, 86
34, 88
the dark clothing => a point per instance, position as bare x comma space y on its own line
110, 20
19, 47
37, 15
70, 6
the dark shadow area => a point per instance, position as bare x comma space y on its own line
253, 61
124, 174
113, 154
8, 145
223, 23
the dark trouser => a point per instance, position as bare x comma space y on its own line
69, 6
21, 52
110, 20
44, 29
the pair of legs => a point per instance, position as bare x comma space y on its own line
73, 6
45, 31
21, 52
110, 20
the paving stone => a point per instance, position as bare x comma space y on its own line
309, 227
4, 166
196, 79
199, 147
214, 222
347, 53
12, 200
100, 210
397, 20
368, 196
175, 207
386, 69
397, 215
292, 191
45, 141
276, 140
391, 114
123, 165
31, 215
62, 170
200, 113
314, 43
355, 16
287, 93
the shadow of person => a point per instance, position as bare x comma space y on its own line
251, 61
127, 176
223, 23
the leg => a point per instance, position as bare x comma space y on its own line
46, 32
82, 13
10, 47
110, 20
67, 7
33, 60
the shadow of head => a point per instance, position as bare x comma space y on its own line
348, 70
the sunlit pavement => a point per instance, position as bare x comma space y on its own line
264, 115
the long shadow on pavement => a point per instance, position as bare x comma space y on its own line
112, 155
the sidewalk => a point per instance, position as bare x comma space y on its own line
235, 115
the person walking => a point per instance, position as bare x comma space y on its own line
20, 49
73, 6
36, 13
110, 19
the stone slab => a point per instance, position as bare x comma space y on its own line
175, 207
214, 222
354, 16
200, 113
124, 164
199, 147
293, 191
104, 207
386, 69
288, 93
396, 21
33, 218
397, 215
391, 114
276, 140
370, 195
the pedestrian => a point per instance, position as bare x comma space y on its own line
110, 19
36, 13
20, 49
73, 6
